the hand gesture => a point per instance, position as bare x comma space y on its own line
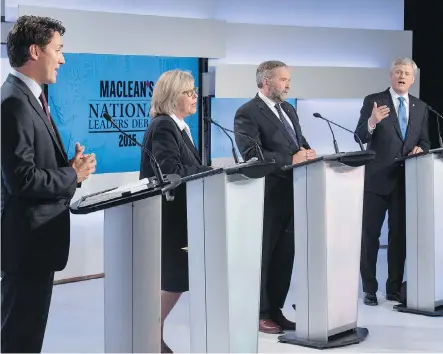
378, 114
83, 164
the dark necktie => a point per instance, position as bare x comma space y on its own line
45, 106
286, 124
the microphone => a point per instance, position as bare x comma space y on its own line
318, 115
259, 150
438, 124
234, 152
154, 164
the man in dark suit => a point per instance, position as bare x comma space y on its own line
274, 124
394, 124
38, 182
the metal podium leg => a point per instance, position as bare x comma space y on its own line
132, 235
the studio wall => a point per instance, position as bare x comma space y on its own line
328, 44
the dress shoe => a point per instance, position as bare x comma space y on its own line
370, 299
165, 348
282, 321
269, 327
393, 297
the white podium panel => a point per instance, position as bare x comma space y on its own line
132, 277
328, 208
424, 234
225, 223
327, 224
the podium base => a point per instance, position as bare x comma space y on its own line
353, 336
437, 313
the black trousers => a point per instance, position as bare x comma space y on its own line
24, 311
374, 211
277, 248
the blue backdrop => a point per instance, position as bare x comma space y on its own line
223, 112
90, 84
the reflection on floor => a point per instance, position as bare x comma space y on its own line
76, 324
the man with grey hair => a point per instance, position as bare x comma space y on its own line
274, 124
394, 124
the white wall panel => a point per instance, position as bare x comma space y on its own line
368, 14
111, 33
174, 8
314, 46
238, 81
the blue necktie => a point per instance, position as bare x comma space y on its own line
402, 117
286, 124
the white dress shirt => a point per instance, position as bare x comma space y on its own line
396, 101
182, 126
271, 104
32, 85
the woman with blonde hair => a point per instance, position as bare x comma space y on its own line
169, 138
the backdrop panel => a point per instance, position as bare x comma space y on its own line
223, 112
89, 85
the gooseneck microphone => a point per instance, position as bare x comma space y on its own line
154, 164
259, 150
438, 115
234, 152
318, 115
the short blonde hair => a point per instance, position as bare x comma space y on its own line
170, 85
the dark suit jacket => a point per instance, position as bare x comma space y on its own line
256, 120
37, 185
175, 154
171, 147
382, 174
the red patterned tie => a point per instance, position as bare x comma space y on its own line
45, 106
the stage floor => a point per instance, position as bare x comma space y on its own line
76, 324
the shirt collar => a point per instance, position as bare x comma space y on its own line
395, 96
35, 88
266, 100
180, 122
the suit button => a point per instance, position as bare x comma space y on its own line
67, 204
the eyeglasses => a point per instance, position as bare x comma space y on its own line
191, 92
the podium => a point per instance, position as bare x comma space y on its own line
328, 207
424, 234
225, 226
132, 263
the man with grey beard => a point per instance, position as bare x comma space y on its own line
274, 124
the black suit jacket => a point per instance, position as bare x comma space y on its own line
37, 185
175, 154
381, 175
256, 120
